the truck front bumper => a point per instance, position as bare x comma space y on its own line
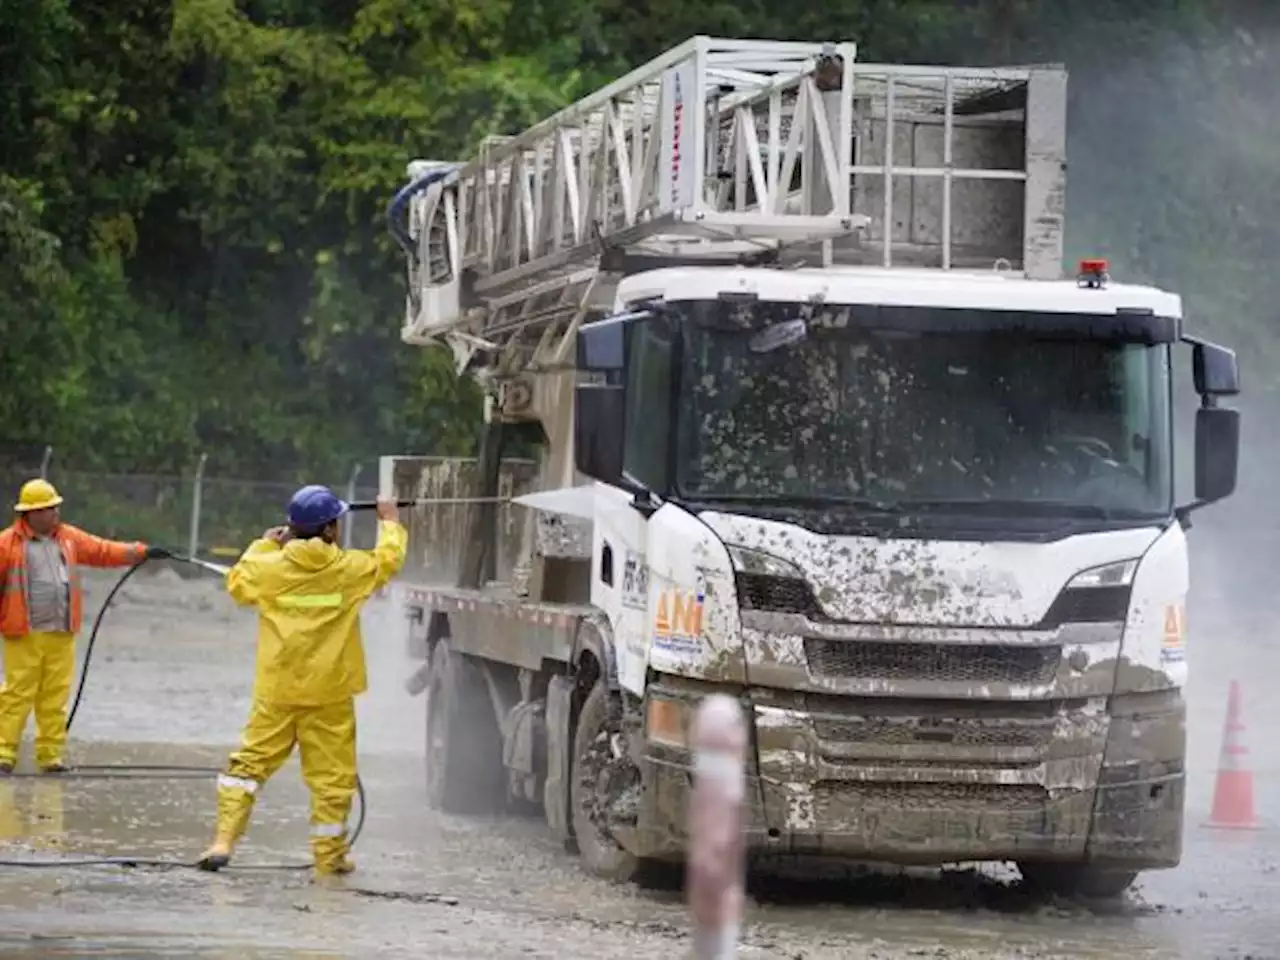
1108, 790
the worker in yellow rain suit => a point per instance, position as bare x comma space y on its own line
40, 613
310, 666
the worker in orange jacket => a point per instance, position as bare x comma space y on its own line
40, 612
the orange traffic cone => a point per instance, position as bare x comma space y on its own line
1233, 791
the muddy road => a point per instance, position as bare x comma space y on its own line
170, 684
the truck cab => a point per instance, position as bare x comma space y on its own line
925, 525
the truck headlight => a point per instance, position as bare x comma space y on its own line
746, 560
770, 584
1118, 574
1097, 595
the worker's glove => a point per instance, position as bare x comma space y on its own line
158, 553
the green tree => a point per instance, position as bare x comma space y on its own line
193, 254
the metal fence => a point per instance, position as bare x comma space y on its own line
196, 512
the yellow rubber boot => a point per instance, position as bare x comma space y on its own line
331, 856
218, 855
235, 804
336, 868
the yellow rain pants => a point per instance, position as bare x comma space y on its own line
326, 740
38, 671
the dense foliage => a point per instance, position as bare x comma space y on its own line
192, 255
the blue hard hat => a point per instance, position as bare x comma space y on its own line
315, 506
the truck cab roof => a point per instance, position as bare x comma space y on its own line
974, 290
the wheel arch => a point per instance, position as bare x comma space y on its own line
593, 654
591, 658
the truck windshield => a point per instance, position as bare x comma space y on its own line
926, 409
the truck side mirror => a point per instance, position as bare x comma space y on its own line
1217, 452
599, 403
1216, 374
1214, 369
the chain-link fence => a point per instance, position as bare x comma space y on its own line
198, 511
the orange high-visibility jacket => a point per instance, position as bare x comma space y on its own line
78, 548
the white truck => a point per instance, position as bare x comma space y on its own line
821, 424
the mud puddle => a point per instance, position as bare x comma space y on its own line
461, 887
171, 685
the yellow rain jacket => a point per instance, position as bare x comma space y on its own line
308, 595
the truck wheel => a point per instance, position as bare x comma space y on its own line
1077, 880
464, 746
593, 786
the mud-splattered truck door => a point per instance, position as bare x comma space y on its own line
960, 627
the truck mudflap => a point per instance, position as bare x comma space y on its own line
1084, 784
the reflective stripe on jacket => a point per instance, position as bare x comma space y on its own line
308, 595
78, 549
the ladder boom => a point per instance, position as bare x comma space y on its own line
730, 151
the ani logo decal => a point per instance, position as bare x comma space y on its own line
678, 626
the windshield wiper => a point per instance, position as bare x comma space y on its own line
804, 500
1029, 508
1066, 509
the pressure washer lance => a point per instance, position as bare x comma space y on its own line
151, 771
428, 502
209, 565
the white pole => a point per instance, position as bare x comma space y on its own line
197, 496
716, 878
351, 495
44, 462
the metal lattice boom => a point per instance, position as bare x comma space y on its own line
728, 151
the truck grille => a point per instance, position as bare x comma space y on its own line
933, 796
956, 663
951, 731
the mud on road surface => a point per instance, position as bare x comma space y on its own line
170, 684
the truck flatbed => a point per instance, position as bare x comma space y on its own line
503, 626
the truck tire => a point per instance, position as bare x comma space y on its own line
464, 745
601, 854
1077, 880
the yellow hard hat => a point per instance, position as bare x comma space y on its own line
37, 495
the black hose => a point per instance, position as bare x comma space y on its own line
147, 771
395, 209
93, 638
